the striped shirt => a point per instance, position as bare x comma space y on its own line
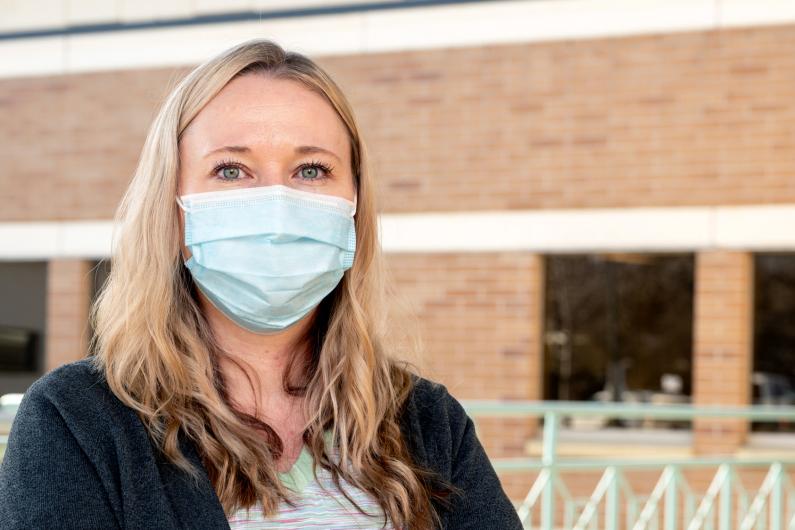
320, 504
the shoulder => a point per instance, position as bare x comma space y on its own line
59, 459
68, 380
443, 438
435, 422
77, 396
76, 389
429, 399
77, 457
426, 391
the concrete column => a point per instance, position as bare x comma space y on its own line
68, 297
723, 345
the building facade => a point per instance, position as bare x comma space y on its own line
532, 159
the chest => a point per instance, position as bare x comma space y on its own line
319, 504
290, 453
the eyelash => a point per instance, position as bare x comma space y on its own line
327, 170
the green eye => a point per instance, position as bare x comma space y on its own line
309, 172
228, 170
315, 171
230, 173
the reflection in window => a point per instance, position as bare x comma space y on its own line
619, 327
773, 377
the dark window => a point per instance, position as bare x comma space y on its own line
619, 327
773, 377
18, 349
23, 308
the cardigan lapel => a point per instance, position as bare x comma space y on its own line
195, 504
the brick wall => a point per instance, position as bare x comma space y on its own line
481, 320
479, 317
723, 345
674, 119
68, 292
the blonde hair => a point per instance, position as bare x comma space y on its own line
159, 357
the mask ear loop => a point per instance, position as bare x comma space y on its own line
184, 209
355, 197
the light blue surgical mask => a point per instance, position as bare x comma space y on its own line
266, 256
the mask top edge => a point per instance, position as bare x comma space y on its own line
207, 198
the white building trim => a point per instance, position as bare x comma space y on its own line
674, 229
61, 239
366, 31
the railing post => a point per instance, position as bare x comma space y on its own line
671, 511
549, 458
776, 514
725, 521
611, 502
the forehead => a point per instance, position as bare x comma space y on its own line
263, 112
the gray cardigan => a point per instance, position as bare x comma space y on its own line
79, 458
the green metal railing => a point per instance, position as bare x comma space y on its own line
726, 504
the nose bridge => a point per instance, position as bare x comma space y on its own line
273, 171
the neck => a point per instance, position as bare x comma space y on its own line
264, 357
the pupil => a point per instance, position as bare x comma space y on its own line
311, 172
232, 175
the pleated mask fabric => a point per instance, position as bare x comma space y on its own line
266, 256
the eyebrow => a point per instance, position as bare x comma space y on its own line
301, 149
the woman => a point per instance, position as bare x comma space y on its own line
239, 376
